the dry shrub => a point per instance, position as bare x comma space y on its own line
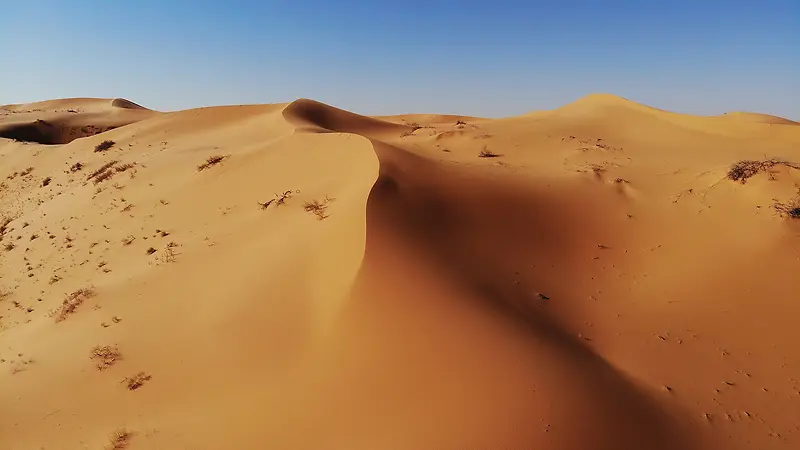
78, 166
318, 208
486, 153
791, 210
105, 356
4, 225
46, 181
135, 382
128, 240
103, 146
103, 176
210, 161
124, 167
102, 169
169, 254
746, 169
26, 171
72, 302
119, 439
8, 247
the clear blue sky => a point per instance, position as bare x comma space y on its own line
488, 58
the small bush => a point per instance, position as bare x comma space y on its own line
124, 167
105, 356
318, 208
210, 161
46, 181
746, 169
137, 381
103, 176
151, 250
119, 440
101, 170
72, 302
486, 153
76, 167
103, 146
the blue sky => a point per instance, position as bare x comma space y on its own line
486, 58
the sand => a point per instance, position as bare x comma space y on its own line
295, 276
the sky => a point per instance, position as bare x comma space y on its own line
488, 58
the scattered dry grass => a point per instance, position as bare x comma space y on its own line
135, 382
319, 209
169, 254
210, 161
746, 169
105, 356
124, 167
4, 225
279, 200
103, 146
119, 440
26, 171
104, 168
72, 302
790, 210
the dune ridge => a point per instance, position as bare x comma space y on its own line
336, 280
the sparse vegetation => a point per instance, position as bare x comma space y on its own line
105, 356
169, 254
210, 161
8, 247
279, 200
790, 210
486, 153
77, 167
104, 168
72, 302
746, 169
119, 440
151, 250
4, 226
26, 171
103, 146
318, 208
128, 240
124, 167
137, 381
46, 181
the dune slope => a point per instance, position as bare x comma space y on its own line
301, 276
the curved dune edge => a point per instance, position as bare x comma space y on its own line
617, 411
447, 300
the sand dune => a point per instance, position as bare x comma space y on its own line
62, 121
297, 276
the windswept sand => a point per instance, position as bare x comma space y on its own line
334, 281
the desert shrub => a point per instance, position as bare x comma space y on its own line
486, 153
746, 169
103, 146
210, 161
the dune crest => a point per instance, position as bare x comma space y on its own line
309, 277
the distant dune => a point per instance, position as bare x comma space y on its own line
62, 121
606, 275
